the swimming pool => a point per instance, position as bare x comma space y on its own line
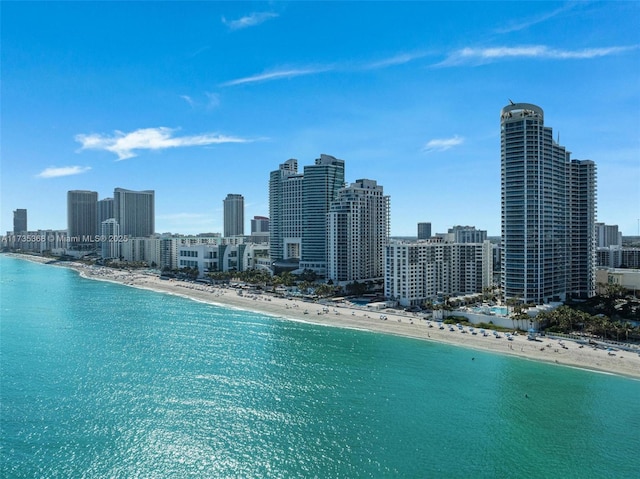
497, 310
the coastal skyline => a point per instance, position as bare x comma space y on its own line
199, 100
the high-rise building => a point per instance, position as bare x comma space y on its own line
608, 235
233, 215
135, 212
298, 207
105, 211
581, 233
259, 224
285, 215
467, 234
259, 229
82, 220
110, 248
19, 221
320, 185
358, 232
548, 212
424, 231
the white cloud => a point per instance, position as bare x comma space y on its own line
514, 27
442, 144
188, 99
212, 101
398, 59
250, 20
55, 172
276, 75
486, 55
124, 144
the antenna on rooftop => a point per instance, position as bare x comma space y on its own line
511, 101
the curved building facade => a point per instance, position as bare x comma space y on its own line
548, 212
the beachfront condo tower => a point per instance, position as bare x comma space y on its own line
320, 185
548, 212
298, 207
135, 212
285, 216
233, 215
358, 232
82, 219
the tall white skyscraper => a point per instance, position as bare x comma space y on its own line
285, 215
135, 212
548, 212
358, 232
581, 232
110, 230
82, 220
233, 206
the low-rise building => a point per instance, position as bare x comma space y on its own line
224, 257
627, 278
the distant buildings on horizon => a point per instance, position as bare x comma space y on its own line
233, 207
20, 221
550, 241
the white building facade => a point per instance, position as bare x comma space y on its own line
223, 257
422, 271
358, 232
110, 239
285, 214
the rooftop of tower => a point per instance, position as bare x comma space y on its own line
519, 110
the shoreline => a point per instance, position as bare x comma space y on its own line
552, 351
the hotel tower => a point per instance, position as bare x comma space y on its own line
298, 207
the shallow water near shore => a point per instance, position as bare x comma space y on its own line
102, 380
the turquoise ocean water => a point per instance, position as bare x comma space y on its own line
104, 381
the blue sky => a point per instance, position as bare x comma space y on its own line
198, 100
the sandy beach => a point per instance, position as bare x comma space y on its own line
560, 352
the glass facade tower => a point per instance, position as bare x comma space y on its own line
320, 185
544, 197
233, 215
